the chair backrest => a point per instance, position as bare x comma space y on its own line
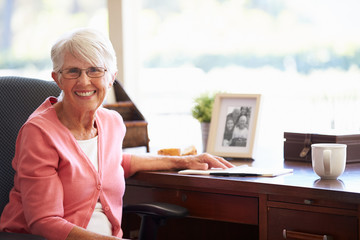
19, 97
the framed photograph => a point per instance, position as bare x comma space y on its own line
233, 125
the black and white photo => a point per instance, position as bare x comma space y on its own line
233, 125
236, 129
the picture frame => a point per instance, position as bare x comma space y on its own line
233, 125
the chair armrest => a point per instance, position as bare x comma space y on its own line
153, 215
157, 209
19, 236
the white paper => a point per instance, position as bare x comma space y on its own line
243, 169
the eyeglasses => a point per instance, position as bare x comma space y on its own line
92, 72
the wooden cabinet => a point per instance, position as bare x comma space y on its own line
292, 205
136, 125
212, 216
211, 206
311, 219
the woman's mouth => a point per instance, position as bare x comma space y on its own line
85, 94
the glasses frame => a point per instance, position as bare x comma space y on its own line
87, 70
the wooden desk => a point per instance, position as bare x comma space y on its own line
255, 207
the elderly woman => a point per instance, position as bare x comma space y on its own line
70, 172
241, 132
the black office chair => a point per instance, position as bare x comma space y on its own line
19, 98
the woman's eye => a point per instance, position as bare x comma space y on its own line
93, 69
73, 70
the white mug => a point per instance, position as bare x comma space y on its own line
328, 159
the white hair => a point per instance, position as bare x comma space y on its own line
87, 44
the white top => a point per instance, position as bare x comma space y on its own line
99, 223
240, 133
90, 148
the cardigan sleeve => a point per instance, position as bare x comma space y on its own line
126, 164
36, 163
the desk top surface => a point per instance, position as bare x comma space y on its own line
345, 188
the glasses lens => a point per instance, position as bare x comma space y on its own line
71, 73
95, 72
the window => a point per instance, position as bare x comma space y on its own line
28, 28
302, 57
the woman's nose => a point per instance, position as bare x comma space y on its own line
84, 78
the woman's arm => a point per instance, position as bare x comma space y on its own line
78, 233
202, 161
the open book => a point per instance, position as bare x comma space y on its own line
240, 171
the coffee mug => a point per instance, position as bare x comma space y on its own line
328, 159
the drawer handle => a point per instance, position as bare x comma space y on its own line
309, 201
304, 236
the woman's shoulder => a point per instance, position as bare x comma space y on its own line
108, 115
44, 119
44, 113
109, 120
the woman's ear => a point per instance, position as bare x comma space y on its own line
111, 83
56, 78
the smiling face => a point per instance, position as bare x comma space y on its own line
242, 122
230, 124
82, 94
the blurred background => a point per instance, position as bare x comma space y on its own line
302, 57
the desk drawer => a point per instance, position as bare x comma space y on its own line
310, 224
312, 202
221, 207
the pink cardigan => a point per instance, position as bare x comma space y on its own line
56, 186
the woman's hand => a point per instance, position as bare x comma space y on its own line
205, 161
